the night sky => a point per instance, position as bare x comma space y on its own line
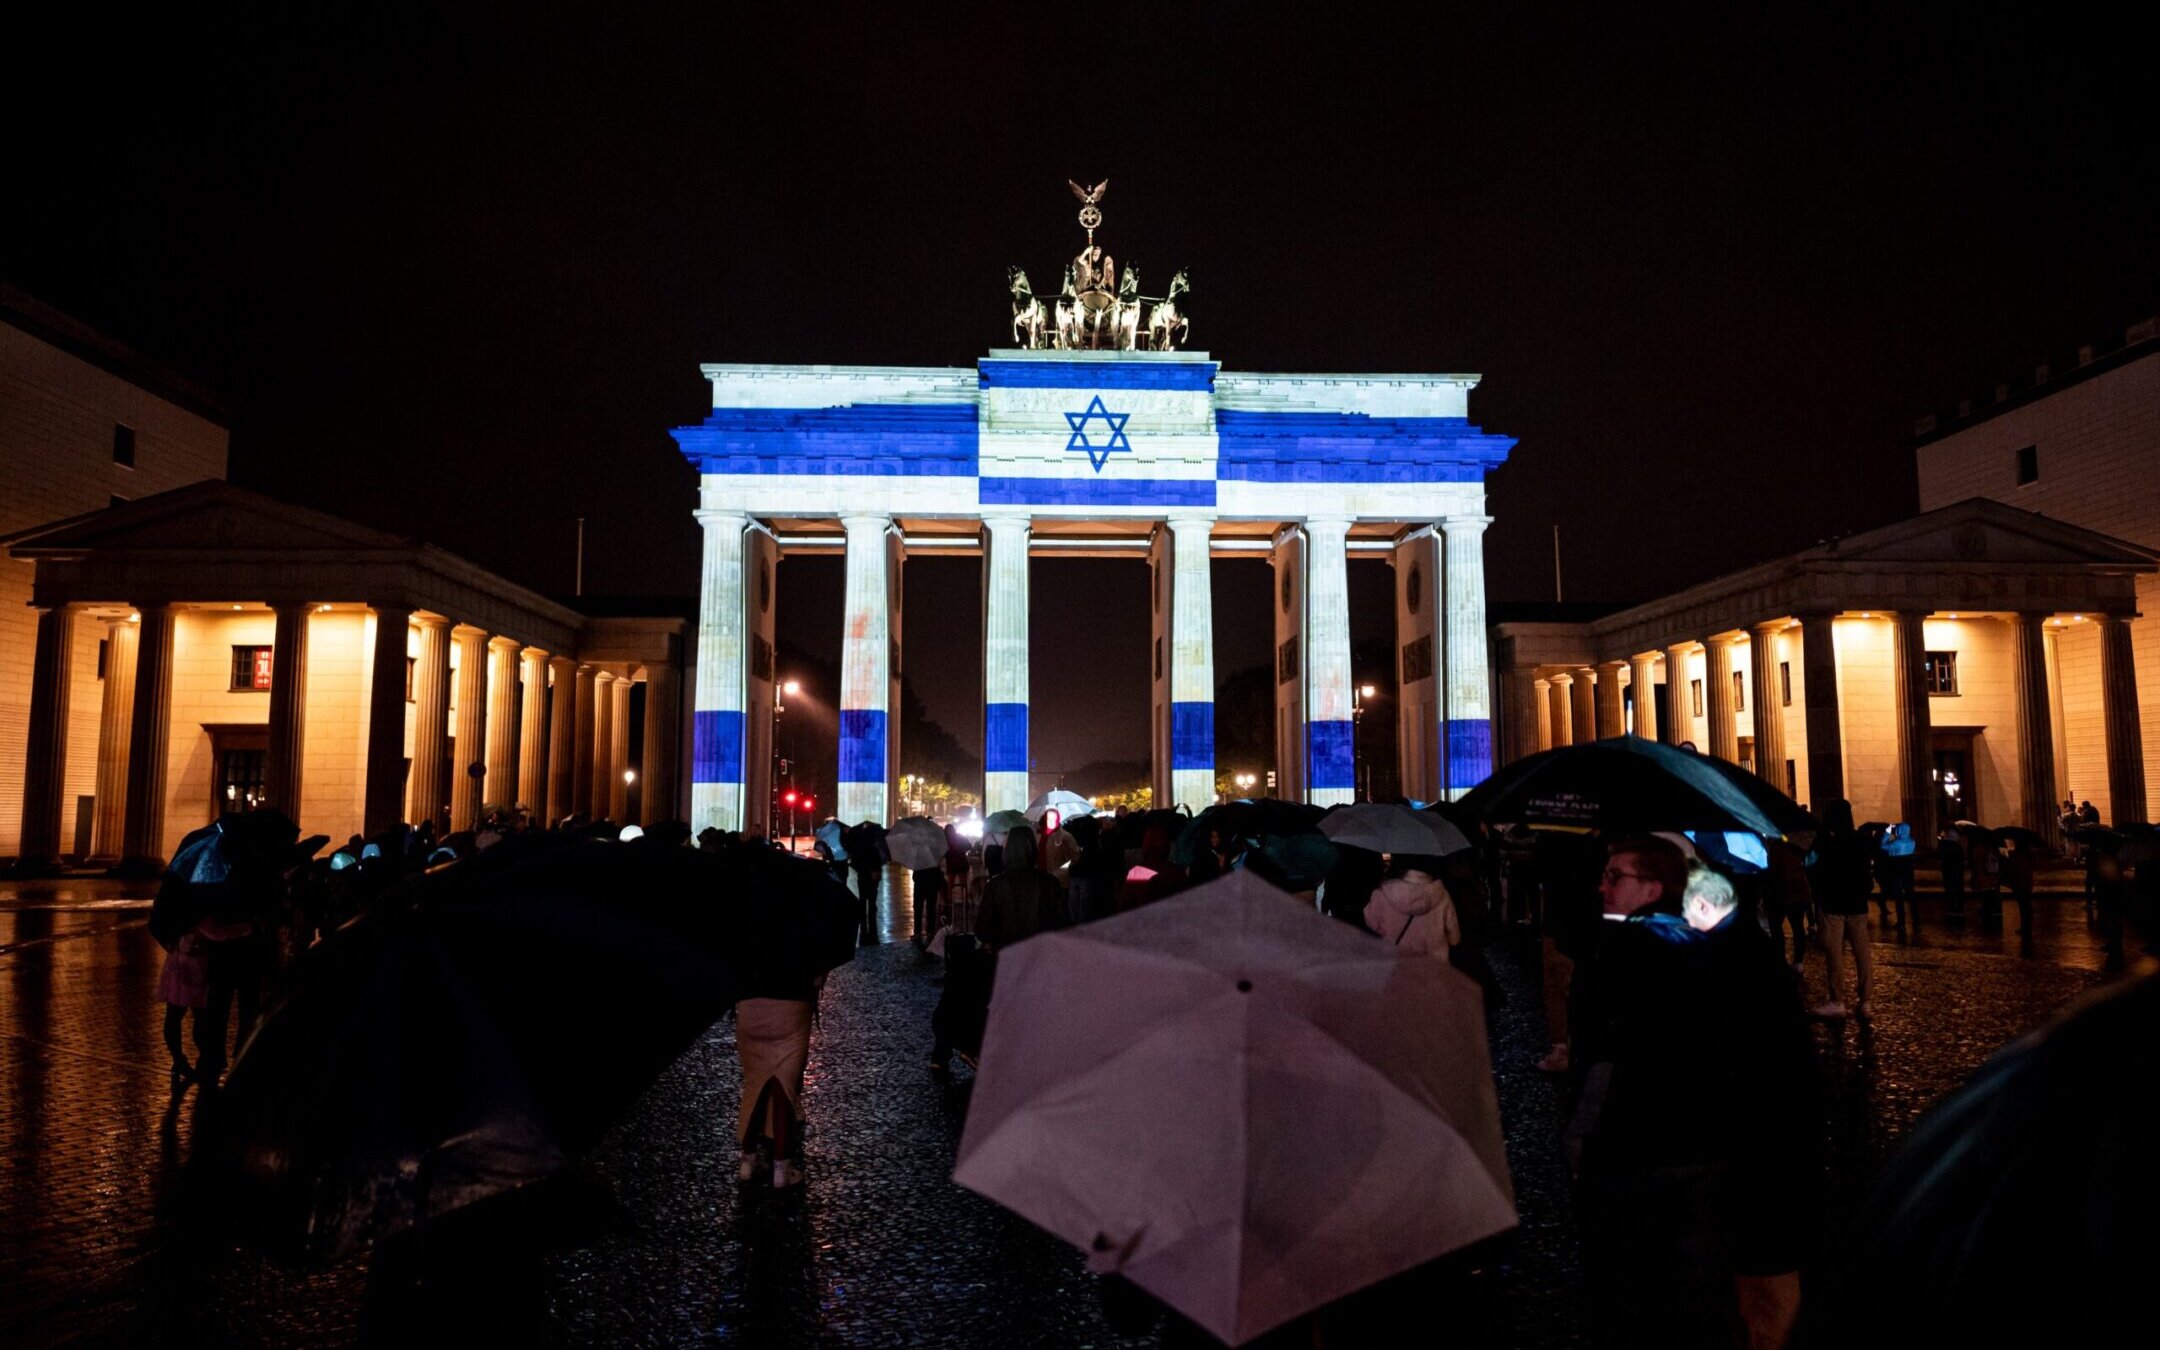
455, 267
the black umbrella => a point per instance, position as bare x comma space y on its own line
1626, 784
2023, 837
487, 1023
1254, 820
224, 870
2034, 1178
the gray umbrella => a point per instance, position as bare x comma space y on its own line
1386, 827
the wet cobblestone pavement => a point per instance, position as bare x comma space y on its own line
654, 1243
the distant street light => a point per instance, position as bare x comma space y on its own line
629, 776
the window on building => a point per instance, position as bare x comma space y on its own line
2028, 465
123, 445
104, 653
241, 777
412, 663
1695, 696
250, 668
1784, 681
1792, 780
1939, 671
1739, 691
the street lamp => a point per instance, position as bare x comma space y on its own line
1360, 696
1245, 783
784, 766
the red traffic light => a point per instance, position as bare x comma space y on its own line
809, 802
788, 797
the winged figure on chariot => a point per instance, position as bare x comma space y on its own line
1097, 308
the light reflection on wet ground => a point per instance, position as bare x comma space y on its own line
655, 1244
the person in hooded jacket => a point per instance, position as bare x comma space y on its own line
1411, 910
1022, 900
1895, 868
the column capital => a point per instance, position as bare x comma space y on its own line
1615, 666
1476, 524
714, 517
1562, 678
1330, 524
1771, 627
431, 622
500, 643
562, 664
866, 520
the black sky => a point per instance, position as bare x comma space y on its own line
455, 267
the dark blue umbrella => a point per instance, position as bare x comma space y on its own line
1628, 785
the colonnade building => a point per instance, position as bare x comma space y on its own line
1156, 455
209, 649
1973, 662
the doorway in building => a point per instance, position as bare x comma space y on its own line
1956, 796
239, 767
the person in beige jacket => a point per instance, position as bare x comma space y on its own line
1412, 910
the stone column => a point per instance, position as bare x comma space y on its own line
662, 751
1642, 679
1718, 699
1330, 737
1540, 718
532, 736
1819, 691
1184, 683
562, 737
52, 679
472, 720
1679, 725
619, 758
865, 673
143, 835
431, 724
1287, 558
1421, 637
1561, 714
1005, 663
1582, 701
383, 795
501, 787
1769, 694
285, 768
2119, 704
722, 690
113, 719
2036, 733
1466, 740
1611, 700
600, 783
581, 755
1916, 750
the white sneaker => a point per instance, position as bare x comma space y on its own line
785, 1174
1833, 1009
747, 1168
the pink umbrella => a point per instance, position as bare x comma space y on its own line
1247, 1109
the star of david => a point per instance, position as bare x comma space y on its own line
1098, 455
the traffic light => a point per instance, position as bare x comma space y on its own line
788, 796
809, 803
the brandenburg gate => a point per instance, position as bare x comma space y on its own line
1094, 436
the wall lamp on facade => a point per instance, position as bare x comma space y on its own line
629, 776
791, 688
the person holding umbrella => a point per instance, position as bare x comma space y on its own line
1412, 910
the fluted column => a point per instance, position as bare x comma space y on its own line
1916, 754
431, 723
1679, 723
1825, 726
1642, 678
1769, 694
1561, 715
2036, 733
657, 790
1183, 694
114, 716
603, 745
1538, 718
143, 835
562, 738
285, 768
52, 680
581, 755
1611, 700
502, 718
532, 734
1330, 737
866, 673
2119, 722
1466, 749
1583, 701
619, 752
1005, 663
383, 794
472, 720
1718, 699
